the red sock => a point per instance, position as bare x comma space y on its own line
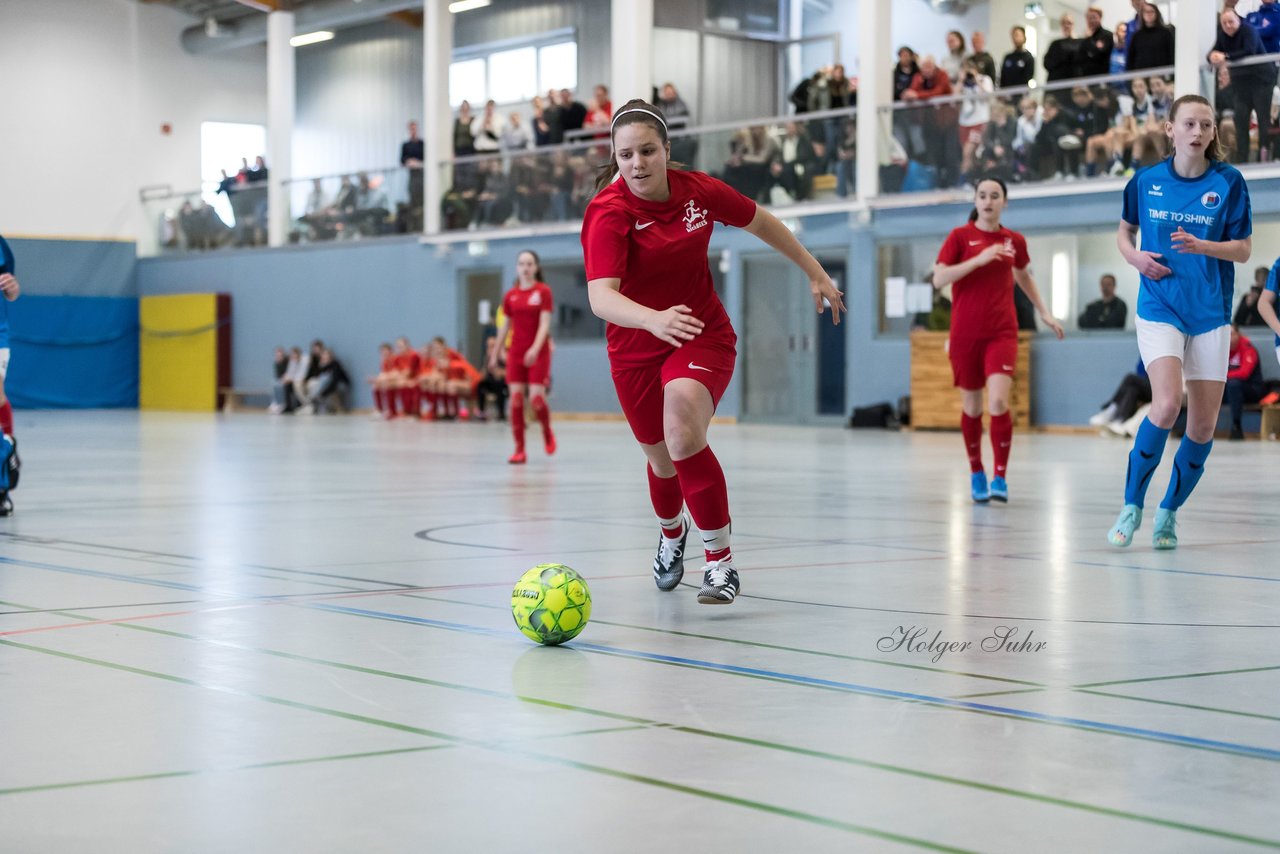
543, 412
667, 499
406, 400
705, 491
1001, 439
377, 399
517, 420
6, 418
971, 429
415, 402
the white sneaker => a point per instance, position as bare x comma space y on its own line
307, 409
1118, 428
668, 563
275, 408
1106, 416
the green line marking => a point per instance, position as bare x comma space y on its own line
641, 723
161, 775
495, 747
997, 693
1180, 705
757, 644
1178, 676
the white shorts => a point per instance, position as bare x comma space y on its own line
1203, 357
4, 363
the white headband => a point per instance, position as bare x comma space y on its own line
619, 115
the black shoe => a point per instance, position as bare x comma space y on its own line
668, 563
6, 505
719, 583
1237, 433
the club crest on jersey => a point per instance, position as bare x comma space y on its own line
694, 218
535, 299
1211, 200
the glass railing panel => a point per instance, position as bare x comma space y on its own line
355, 205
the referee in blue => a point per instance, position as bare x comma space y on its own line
1194, 216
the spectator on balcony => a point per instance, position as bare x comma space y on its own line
1061, 59
953, 61
530, 178
1107, 150
1152, 45
411, 158
464, 142
1252, 85
904, 72
573, 114
1265, 20
938, 123
496, 200
542, 132
975, 112
560, 185
1054, 144
995, 155
984, 62
258, 173
487, 129
1027, 129
1133, 25
1108, 312
1096, 112
599, 114
1118, 61
684, 148
371, 206
603, 101
751, 152
792, 172
846, 157
1019, 64
1094, 56
514, 137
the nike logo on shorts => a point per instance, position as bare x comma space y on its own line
642, 226
1006, 367
694, 367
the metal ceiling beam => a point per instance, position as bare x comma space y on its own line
322, 15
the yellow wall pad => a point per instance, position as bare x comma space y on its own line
184, 351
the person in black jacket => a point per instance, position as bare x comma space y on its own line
1094, 56
1108, 312
1019, 64
1151, 46
1060, 58
1251, 85
330, 380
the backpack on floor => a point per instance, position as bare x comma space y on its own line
8, 463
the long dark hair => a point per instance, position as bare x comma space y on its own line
1004, 191
1213, 150
637, 111
537, 265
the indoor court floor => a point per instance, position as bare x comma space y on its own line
257, 634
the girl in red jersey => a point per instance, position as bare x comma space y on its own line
384, 384
671, 347
984, 259
526, 311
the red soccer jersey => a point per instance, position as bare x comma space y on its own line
982, 302
389, 364
409, 361
523, 308
659, 251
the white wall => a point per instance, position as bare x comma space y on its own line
87, 86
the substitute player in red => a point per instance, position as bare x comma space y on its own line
526, 311
671, 347
983, 259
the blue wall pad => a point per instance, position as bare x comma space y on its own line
73, 352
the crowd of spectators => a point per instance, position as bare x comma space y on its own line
310, 383
198, 226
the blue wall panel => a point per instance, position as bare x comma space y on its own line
73, 352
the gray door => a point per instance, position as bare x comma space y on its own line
793, 360
479, 286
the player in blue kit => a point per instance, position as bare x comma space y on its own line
1268, 301
9, 292
1194, 216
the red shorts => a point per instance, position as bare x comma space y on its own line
535, 374
972, 361
640, 388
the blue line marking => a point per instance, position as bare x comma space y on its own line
1098, 726
92, 573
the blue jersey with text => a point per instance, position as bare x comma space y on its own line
1196, 296
6, 266
1273, 285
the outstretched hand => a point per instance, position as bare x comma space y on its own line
1186, 242
826, 293
8, 285
675, 326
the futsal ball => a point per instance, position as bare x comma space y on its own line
551, 604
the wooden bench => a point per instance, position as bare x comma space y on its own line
1271, 421
233, 399
935, 401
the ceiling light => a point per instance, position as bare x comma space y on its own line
467, 5
311, 38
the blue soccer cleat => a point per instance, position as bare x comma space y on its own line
1165, 535
1121, 533
978, 487
999, 489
